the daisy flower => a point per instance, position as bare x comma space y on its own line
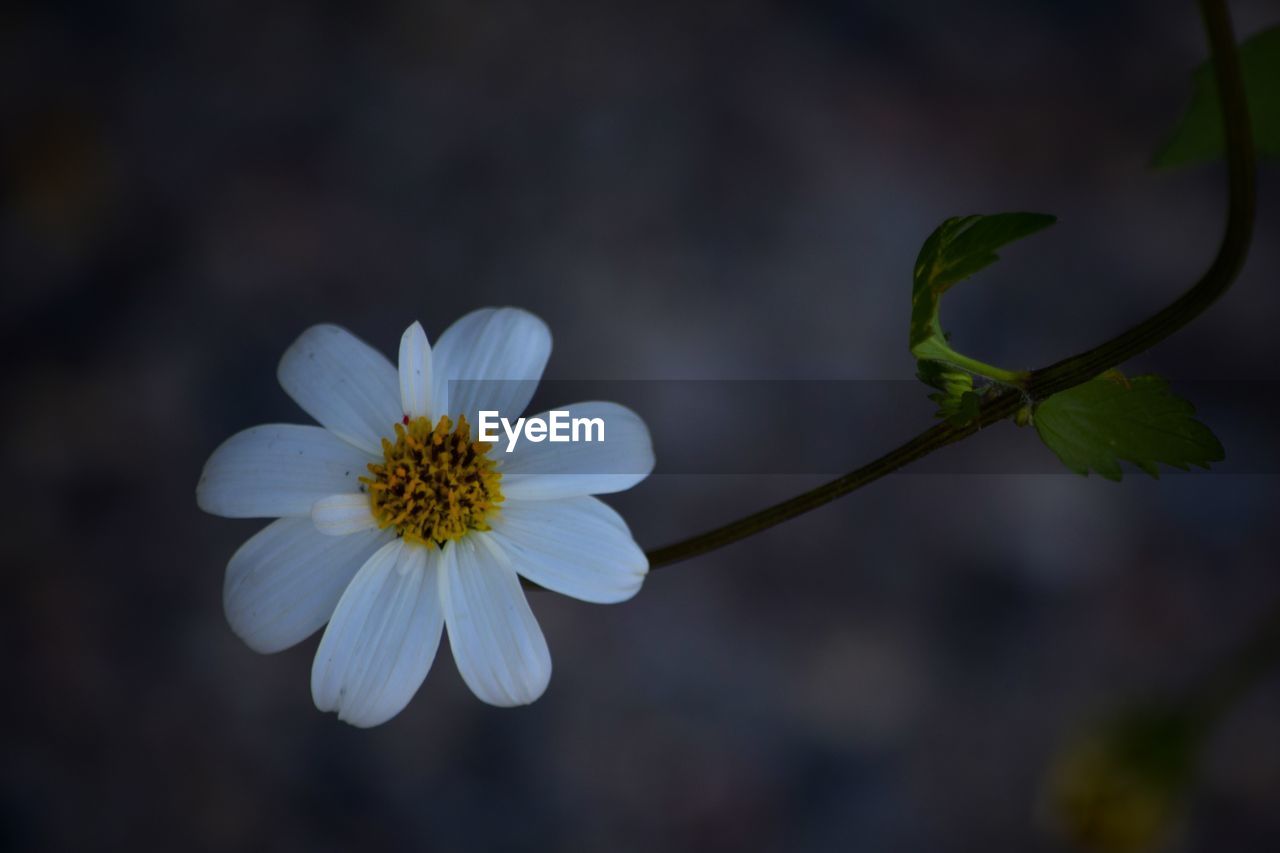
395, 524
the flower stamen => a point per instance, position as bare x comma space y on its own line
435, 484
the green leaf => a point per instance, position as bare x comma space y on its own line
1199, 136
1096, 425
957, 402
960, 247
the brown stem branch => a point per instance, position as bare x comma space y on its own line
1078, 368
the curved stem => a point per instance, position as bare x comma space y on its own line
1016, 378
1078, 368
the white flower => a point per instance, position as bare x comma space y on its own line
394, 523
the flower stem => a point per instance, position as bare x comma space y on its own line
1076, 369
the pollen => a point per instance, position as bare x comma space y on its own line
434, 484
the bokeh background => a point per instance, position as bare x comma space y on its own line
682, 191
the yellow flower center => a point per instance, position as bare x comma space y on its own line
434, 484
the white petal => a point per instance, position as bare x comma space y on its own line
341, 515
282, 585
278, 470
343, 383
415, 372
382, 638
545, 470
496, 642
577, 546
503, 349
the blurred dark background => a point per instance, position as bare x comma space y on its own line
682, 191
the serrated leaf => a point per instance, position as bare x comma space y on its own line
1097, 425
957, 249
1199, 135
958, 403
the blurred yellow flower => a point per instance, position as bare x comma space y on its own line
1121, 788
